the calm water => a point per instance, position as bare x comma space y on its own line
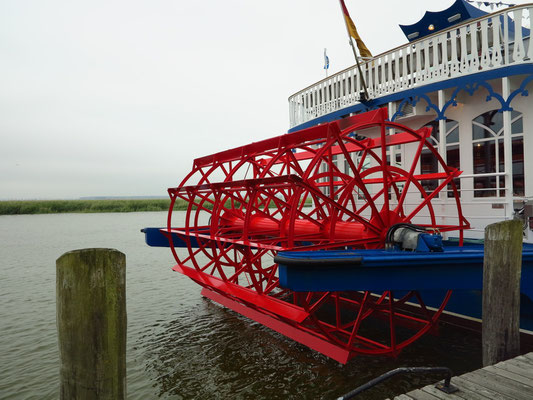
180, 345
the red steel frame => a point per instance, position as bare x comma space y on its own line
287, 192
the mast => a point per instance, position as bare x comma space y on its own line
364, 96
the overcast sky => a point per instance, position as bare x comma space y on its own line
117, 98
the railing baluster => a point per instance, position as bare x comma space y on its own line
405, 60
325, 97
529, 53
370, 84
485, 54
338, 86
397, 82
342, 101
316, 102
305, 104
496, 42
376, 70
358, 78
412, 56
382, 84
377, 91
319, 99
384, 74
454, 60
351, 86
436, 68
310, 104
390, 78
331, 94
342, 81
474, 50
427, 58
518, 50
463, 66
418, 69
291, 119
444, 57
506, 45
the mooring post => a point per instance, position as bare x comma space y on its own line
91, 324
502, 266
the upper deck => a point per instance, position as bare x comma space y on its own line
489, 43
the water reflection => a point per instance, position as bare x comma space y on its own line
207, 351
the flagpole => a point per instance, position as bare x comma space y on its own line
356, 58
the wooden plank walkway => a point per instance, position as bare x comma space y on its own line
511, 379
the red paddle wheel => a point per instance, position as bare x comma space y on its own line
290, 193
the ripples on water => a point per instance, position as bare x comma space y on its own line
180, 345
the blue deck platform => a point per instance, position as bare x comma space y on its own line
457, 268
454, 268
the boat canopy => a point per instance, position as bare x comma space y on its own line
435, 21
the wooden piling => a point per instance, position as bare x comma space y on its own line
501, 291
91, 323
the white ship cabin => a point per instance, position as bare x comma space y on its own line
469, 75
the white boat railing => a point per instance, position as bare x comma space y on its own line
500, 39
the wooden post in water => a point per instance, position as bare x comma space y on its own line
502, 266
91, 324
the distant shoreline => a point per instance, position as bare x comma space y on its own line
18, 207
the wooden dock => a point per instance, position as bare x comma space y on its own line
511, 379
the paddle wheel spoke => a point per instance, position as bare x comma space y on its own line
358, 320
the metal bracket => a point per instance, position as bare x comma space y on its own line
446, 387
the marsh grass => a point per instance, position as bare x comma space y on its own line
86, 206
16, 207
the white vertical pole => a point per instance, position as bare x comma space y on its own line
355, 54
506, 45
442, 127
508, 152
442, 139
392, 149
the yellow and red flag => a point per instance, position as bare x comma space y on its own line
363, 50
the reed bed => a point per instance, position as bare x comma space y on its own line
16, 207
86, 206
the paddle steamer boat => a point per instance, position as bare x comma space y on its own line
303, 232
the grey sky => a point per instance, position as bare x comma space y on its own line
118, 97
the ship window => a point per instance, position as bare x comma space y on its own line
398, 155
347, 168
487, 125
335, 175
452, 131
518, 166
452, 152
516, 125
429, 164
398, 160
488, 154
362, 163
